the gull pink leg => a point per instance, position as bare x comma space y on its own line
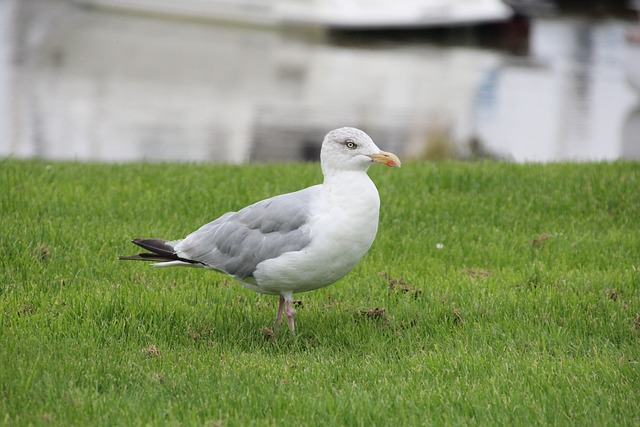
279, 315
290, 312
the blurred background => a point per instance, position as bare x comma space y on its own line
263, 80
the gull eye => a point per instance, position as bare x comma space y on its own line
350, 144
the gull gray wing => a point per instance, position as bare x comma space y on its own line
237, 242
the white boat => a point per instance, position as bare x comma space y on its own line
632, 57
110, 87
337, 14
567, 101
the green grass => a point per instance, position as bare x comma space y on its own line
517, 301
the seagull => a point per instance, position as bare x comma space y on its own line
294, 242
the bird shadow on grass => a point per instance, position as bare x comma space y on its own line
333, 330
204, 315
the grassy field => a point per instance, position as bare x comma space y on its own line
495, 294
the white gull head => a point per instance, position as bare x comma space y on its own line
350, 149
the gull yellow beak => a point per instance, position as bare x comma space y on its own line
386, 158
